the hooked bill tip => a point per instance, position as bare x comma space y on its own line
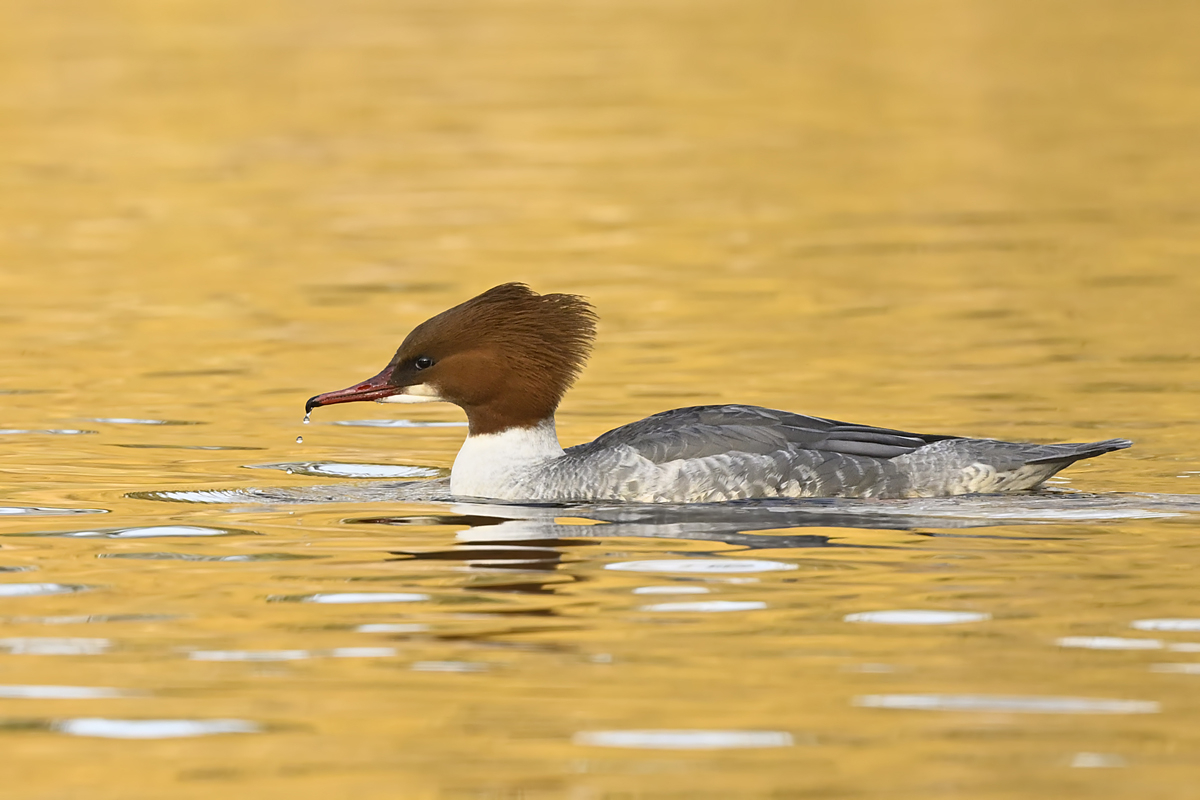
311, 404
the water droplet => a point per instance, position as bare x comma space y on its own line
299, 440
307, 414
291, 472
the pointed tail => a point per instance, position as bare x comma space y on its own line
1070, 453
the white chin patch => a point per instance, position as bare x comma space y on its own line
421, 393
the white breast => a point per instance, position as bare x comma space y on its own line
501, 464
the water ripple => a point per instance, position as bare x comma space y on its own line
448, 666
715, 566
684, 739
62, 692
134, 421
672, 590
1097, 760
708, 606
340, 470
39, 589
917, 617
1108, 643
47, 646
1009, 704
1189, 624
345, 598
249, 557
1185, 668
148, 532
105, 728
45, 511
392, 627
291, 655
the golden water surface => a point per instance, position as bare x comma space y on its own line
964, 217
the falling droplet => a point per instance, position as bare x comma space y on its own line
307, 414
299, 440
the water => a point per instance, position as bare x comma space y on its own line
971, 218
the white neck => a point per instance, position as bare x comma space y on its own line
493, 464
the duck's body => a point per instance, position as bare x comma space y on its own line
507, 356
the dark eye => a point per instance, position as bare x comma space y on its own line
423, 362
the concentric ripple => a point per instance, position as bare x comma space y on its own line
46, 511
341, 470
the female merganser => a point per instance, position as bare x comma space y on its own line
507, 357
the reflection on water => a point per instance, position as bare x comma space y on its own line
968, 218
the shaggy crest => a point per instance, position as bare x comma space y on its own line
539, 342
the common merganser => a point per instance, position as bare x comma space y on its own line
508, 356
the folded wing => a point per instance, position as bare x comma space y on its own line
701, 431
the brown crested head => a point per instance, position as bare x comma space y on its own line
506, 357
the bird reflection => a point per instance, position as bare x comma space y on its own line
532, 539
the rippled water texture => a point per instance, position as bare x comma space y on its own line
954, 217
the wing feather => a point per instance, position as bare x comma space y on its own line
702, 431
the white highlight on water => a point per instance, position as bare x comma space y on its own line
291, 655
104, 728
449, 666
392, 627
684, 739
671, 590
1010, 704
36, 589
150, 532
53, 646
701, 565
1096, 760
60, 692
366, 597
1190, 624
708, 606
1108, 643
917, 617
1186, 668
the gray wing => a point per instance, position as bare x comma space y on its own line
700, 431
